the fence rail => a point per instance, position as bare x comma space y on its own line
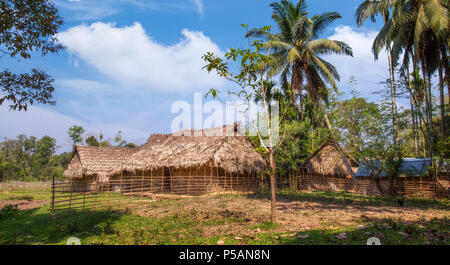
68, 197
117, 193
420, 187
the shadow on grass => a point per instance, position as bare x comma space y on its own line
36, 226
341, 199
388, 231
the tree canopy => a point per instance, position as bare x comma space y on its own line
27, 27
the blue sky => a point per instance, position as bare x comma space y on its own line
127, 61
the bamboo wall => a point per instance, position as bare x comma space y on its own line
420, 187
189, 181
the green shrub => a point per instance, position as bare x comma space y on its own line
8, 211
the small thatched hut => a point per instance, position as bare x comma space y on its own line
328, 160
192, 162
89, 165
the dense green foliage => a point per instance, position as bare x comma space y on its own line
415, 34
27, 27
32, 159
29, 158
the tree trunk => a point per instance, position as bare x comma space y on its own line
446, 66
442, 103
413, 114
430, 100
296, 84
393, 95
272, 186
428, 106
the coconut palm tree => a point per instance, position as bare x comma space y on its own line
296, 49
370, 9
419, 30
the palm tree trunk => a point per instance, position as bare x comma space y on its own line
413, 113
296, 85
393, 96
441, 99
272, 186
446, 66
428, 106
430, 100
392, 83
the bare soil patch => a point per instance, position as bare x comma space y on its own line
292, 215
24, 204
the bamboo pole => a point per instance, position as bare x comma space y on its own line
162, 179
151, 181
53, 198
142, 185
71, 192
189, 180
84, 199
170, 182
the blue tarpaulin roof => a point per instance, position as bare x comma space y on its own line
409, 167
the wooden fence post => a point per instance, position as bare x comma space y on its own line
70, 199
84, 199
53, 197
142, 188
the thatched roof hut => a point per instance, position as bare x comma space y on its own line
94, 162
218, 147
328, 159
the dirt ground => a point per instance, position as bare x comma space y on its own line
293, 215
24, 204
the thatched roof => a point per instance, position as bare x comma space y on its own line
185, 150
328, 160
95, 161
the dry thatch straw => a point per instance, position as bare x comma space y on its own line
95, 162
328, 160
227, 149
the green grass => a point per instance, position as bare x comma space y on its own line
110, 227
348, 198
102, 227
23, 194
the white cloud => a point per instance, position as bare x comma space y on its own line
85, 86
99, 9
199, 5
369, 73
134, 60
88, 10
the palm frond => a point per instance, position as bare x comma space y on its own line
322, 21
370, 9
326, 46
437, 16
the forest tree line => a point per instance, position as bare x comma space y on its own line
27, 158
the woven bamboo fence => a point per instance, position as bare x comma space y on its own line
124, 191
419, 187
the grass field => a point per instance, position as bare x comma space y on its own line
303, 218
